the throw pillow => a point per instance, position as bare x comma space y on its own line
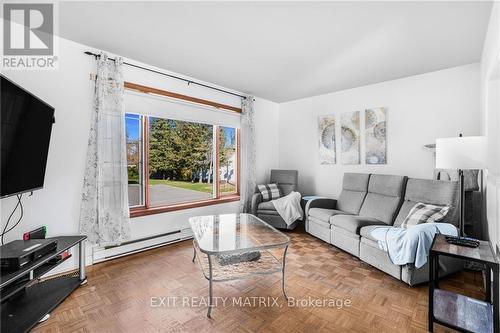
423, 213
269, 191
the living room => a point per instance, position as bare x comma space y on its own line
321, 98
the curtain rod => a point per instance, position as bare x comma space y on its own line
169, 75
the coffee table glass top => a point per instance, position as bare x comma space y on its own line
230, 233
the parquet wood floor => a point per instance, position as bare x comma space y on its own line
117, 297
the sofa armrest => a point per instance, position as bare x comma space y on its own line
320, 203
317, 203
256, 200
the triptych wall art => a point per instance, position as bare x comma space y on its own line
326, 134
349, 138
375, 137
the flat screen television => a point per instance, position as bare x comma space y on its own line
26, 124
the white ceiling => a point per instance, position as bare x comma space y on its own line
283, 51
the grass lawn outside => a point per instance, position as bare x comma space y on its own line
200, 187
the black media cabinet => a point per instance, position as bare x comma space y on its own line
25, 300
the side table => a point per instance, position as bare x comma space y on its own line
457, 311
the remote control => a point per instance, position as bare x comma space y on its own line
462, 241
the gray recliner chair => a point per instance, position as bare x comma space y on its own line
287, 181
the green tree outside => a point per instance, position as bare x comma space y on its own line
179, 150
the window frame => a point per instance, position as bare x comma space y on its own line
141, 172
237, 161
146, 209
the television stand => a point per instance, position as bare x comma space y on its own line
25, 300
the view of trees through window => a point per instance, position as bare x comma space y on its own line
227, 160
180, 161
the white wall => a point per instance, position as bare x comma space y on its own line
70, 91
490, 116
420, 109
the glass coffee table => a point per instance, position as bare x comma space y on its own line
216, 236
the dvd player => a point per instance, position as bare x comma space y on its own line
18, 253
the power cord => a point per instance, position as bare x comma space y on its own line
19, 203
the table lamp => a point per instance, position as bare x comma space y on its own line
461, 153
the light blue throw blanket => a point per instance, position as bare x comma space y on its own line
411, 245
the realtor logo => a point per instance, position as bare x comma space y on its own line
29, 36
34, 32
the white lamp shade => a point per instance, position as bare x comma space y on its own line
469, 152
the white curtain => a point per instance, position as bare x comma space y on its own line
248, 155
104, 215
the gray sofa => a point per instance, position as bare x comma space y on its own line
370, 200
287, 182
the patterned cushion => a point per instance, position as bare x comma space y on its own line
269, 192
423, 213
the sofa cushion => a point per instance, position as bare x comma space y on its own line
434, 192
319, 229
266, 208
350, 201
385, 193
353, 223
344, 240
267, 212
366, 232
324, 224
371, 243
266, 205
345, 232
286, 179
370, 253
286, 189
324, 214
355, 181
354, 187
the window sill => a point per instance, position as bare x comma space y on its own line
142, 211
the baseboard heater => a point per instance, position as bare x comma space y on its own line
139, 245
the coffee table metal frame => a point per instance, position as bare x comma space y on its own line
267, 264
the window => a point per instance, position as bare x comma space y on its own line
227, 161
180, 162
133, 130
174, 164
